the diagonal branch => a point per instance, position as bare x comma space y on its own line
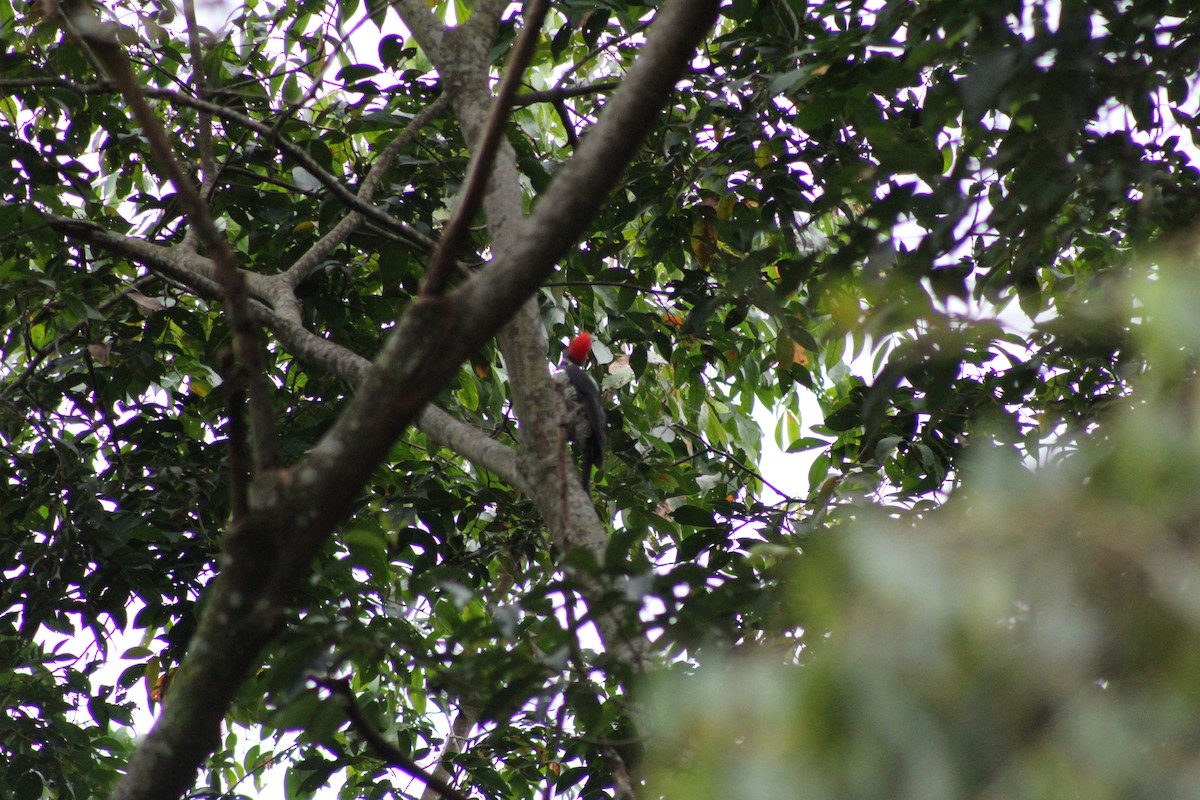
311, 260
101, 39
301, 157
437, 273
287, 147
245, 606
179, 263
197, 273
428, 30
580, 189
384, 749
441, 427
563, 93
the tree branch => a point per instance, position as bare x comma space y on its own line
179, 263
245, 604
311, 260
598, 49
286, 146
564, 93
464, 721
427, 29
196, 273
103, 43
480, 168
240, 472
582, 185
297, 154
384, 749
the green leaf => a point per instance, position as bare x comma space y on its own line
693, 516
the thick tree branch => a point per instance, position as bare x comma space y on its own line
460, 729
567, 510
245, 605
209, 174
582, 186
428, 30
485, 19
443, 428
577, 194
179, 263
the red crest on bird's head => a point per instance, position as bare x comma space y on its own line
579, 348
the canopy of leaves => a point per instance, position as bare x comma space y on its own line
928, 217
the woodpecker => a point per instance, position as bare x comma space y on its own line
585, 413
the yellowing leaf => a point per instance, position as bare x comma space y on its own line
703, 237
763, 155
725, 207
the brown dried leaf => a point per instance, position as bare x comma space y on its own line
147, 304
100, 352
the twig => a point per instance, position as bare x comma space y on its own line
560, 93
615, 284
286, 146
342, 39
600, 48
384, 749
729, 456
564, 114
